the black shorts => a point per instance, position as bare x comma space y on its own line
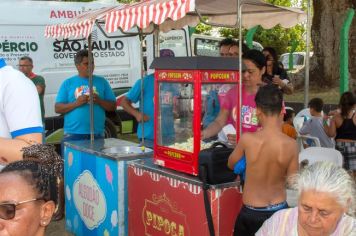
249, 220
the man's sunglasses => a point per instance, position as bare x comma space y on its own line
8, 210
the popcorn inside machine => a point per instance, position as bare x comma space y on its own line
189, 93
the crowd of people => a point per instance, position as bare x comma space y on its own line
29, 189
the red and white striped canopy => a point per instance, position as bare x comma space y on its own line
146, 12
81, 26
174, 14
140, 14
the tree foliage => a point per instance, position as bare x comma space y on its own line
279, 38
203, 29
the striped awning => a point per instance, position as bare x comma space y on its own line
144, 13
140, 14
81, 26
175, 14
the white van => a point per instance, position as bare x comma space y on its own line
204, 45
183, 44
298, 60
22, 27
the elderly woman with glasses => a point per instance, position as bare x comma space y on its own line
28, 192
325, 206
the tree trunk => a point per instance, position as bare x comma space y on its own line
325, 35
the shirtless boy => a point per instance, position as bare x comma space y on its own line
271, 156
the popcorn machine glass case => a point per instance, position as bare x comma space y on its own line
189, 92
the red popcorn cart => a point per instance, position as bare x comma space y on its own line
164, 202
189, 93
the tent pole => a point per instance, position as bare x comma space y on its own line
157, 54
142, 90
307, 59
156, 41
91, 101
239, 19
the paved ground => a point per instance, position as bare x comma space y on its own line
56, 228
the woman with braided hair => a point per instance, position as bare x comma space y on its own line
29, 191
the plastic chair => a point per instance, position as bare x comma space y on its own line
303, 112
307, 141
298, 123
299, 119
315, 154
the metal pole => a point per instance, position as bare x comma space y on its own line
91, 101
156, 41
142, 91
156, 54
307, 59
239, 19
344, 51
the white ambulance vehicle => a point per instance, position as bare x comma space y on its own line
22, 27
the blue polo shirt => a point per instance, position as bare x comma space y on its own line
134, 95
77, 121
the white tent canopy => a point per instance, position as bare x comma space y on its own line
254, 12
172, 14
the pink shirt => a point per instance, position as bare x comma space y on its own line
248, 110
223, 90
284, 222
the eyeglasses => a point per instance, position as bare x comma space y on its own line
8, 210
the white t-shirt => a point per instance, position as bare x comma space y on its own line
20, 111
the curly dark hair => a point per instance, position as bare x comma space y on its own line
41, 167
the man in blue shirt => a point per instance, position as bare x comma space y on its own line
73, 101
146, 111
134, 96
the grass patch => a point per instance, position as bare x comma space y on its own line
127, 126
329, 96
127, 129
55, 137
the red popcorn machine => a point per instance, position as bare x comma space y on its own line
189, 93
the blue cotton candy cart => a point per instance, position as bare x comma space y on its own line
95, 181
